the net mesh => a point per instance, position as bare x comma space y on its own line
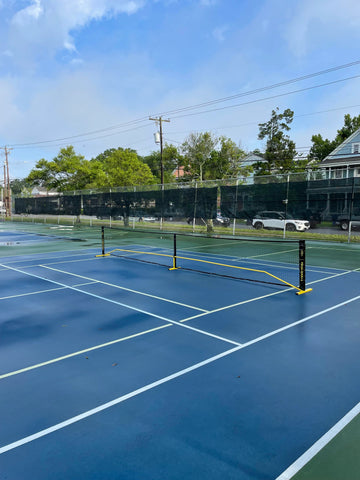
263, 261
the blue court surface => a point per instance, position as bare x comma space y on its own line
115, 369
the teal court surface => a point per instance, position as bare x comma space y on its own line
117, 367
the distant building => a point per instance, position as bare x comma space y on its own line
344, 161
179, 172
249, 161
42, 192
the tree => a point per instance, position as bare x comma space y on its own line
197, 150
225, 162
171, 159
18, 186
350, 126
321, 148
67, 171
122, 167
212, 158
280, 150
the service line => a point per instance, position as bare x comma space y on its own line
150, 386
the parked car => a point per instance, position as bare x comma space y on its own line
277, 220
218, 221
221, 221
343, 221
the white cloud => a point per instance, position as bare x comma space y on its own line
45, 26
319, 21
26, 15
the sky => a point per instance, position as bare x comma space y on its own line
90, 73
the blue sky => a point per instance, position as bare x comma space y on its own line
73, 67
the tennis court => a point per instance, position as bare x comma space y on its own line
111, 367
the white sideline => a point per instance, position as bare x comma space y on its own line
295, 467
174, 322
152, 385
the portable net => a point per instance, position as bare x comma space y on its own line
277, 262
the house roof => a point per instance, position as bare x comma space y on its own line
340, 161
252, 158
343, 154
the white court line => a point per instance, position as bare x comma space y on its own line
319, 445
64, 255
107, 405
44, 291
61, 262
174, 322
163, 380
125, 289
32, 367
243, 302
80, 352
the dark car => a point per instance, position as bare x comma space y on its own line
343, 221
219, 221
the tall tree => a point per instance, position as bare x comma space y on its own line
225, 161
350, 126
19, 186
171, 160
280, 150
122, 167
321, 148
70, 171
197, 150
67, 171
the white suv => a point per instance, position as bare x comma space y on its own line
276, 220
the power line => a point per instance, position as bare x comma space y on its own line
133, 122
84, 140
266, 98
262, 89
204, 104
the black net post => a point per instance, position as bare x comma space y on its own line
174, 255
302, 265
103, 240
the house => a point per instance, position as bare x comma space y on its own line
339, 191
344, 161
42, 192
249, 161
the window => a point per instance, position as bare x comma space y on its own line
356, 148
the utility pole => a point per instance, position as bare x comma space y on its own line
7, 190
159, 121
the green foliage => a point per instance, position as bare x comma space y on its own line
67, 171
202, 155
122, 167
350, 126
321, 148
210, 158
197, 149
171, 160
19, 186
280, 150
